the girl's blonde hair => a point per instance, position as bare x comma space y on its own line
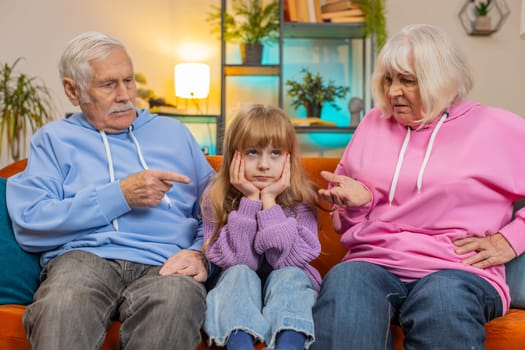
427, 53
256, 126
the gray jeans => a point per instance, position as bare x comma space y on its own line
82, 293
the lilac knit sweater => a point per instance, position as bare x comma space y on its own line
284, 237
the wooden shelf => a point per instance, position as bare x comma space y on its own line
192, 118
327, 129
259, 70
324, 30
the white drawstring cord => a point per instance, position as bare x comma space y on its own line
144, 164
400, 158
423, 166
429, 149
110, 166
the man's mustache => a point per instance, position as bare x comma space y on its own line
121, 107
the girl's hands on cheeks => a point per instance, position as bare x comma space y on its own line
238, 180
270, 192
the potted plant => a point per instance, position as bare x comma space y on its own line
482, 21
313, 91
251, 24
375, 22
25, 105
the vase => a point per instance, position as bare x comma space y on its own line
251, 54
482, 24
313, 110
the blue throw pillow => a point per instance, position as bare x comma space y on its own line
19, 271
515, 270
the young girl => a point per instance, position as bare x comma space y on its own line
260, 228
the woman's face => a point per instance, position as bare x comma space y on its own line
402, 92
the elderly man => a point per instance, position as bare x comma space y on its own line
110, 197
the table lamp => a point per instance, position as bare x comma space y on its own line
192, 82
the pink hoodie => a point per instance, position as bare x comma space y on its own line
474, 171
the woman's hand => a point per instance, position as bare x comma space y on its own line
490, 250
239, 181
344, 191
270, 192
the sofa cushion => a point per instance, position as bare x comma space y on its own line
19, 271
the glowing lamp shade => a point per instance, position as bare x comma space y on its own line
192, 80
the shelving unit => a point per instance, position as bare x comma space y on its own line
202, 126
292, 30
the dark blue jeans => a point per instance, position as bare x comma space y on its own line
81, 293
444, 310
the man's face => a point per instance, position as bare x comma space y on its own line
109, 99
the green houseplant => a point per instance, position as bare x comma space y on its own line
251, 24
25, 104
482, 8
312, 91
482, 21
375, 23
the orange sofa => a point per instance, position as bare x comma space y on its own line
504, 333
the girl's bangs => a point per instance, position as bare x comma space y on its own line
267, 131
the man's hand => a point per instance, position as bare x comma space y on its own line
490, 250
186, 262
147, 188
344, 191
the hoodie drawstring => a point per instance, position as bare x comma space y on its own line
112, 170
429, 149
110, 166
423, 166
143, 162
400, 158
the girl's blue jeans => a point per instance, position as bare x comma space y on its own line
240, 301
441, 311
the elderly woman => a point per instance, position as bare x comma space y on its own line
423, 197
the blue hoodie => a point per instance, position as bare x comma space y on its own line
65, 198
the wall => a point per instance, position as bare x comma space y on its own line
497, 61
157, 33
160, 33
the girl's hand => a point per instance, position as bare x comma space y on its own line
344, 191
238, 180
270, 193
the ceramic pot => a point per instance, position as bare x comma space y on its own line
251, 54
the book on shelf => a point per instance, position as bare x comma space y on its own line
303, 10
317, 4
348, 19
355, 12
297, 10
311, 121
336, 5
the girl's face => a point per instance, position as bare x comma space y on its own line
402, 91
263, 166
